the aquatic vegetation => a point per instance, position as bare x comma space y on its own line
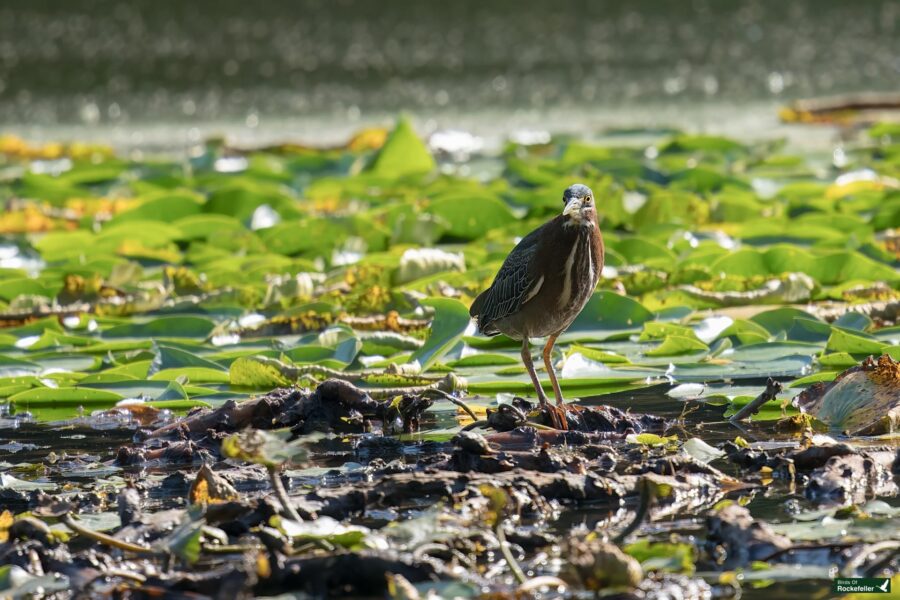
257, 366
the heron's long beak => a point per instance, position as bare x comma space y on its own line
573, 210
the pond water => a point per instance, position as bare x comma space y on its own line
168, 74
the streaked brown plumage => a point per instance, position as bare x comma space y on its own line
545, 282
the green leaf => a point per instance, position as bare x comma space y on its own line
656, 330
13, 288
170, 357
139, 388
597, 354
351, 537
484, 360
166, 207
403, 154
780, 320
702, 143
643, 251
451, 317
837, 360
247, 372
844, 341
469, 216
651, 439
181, 406
662, 556
241, 198
184, 541
675, 345
65, 397
192, 374
746, 332
205, 226
814, 378
164, 327
608, 312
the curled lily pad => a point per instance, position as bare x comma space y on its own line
863, 400
422, 262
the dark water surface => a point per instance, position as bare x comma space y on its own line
172, 71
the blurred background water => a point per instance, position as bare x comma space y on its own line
171, 72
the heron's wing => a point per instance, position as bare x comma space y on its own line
514, 285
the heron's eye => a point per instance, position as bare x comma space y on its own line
587, 199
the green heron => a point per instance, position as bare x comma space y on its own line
544, 283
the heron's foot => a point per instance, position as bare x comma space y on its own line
557, 415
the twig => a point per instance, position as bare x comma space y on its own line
860, 555
536, 583
456, 401
476, 424
641, 513
773, 388
107, 540
230, 549
540, 426
123, 574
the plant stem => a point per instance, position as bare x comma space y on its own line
507, 554
281, 494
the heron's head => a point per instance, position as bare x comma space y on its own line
578, 206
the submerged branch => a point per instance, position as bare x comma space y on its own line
773, 388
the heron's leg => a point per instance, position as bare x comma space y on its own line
558, 412
529, 364
548, 351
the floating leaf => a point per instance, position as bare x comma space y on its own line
326, 529
650, 439
674, 345
65, 397
451, 318
844, 341
163, 327
662, 556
